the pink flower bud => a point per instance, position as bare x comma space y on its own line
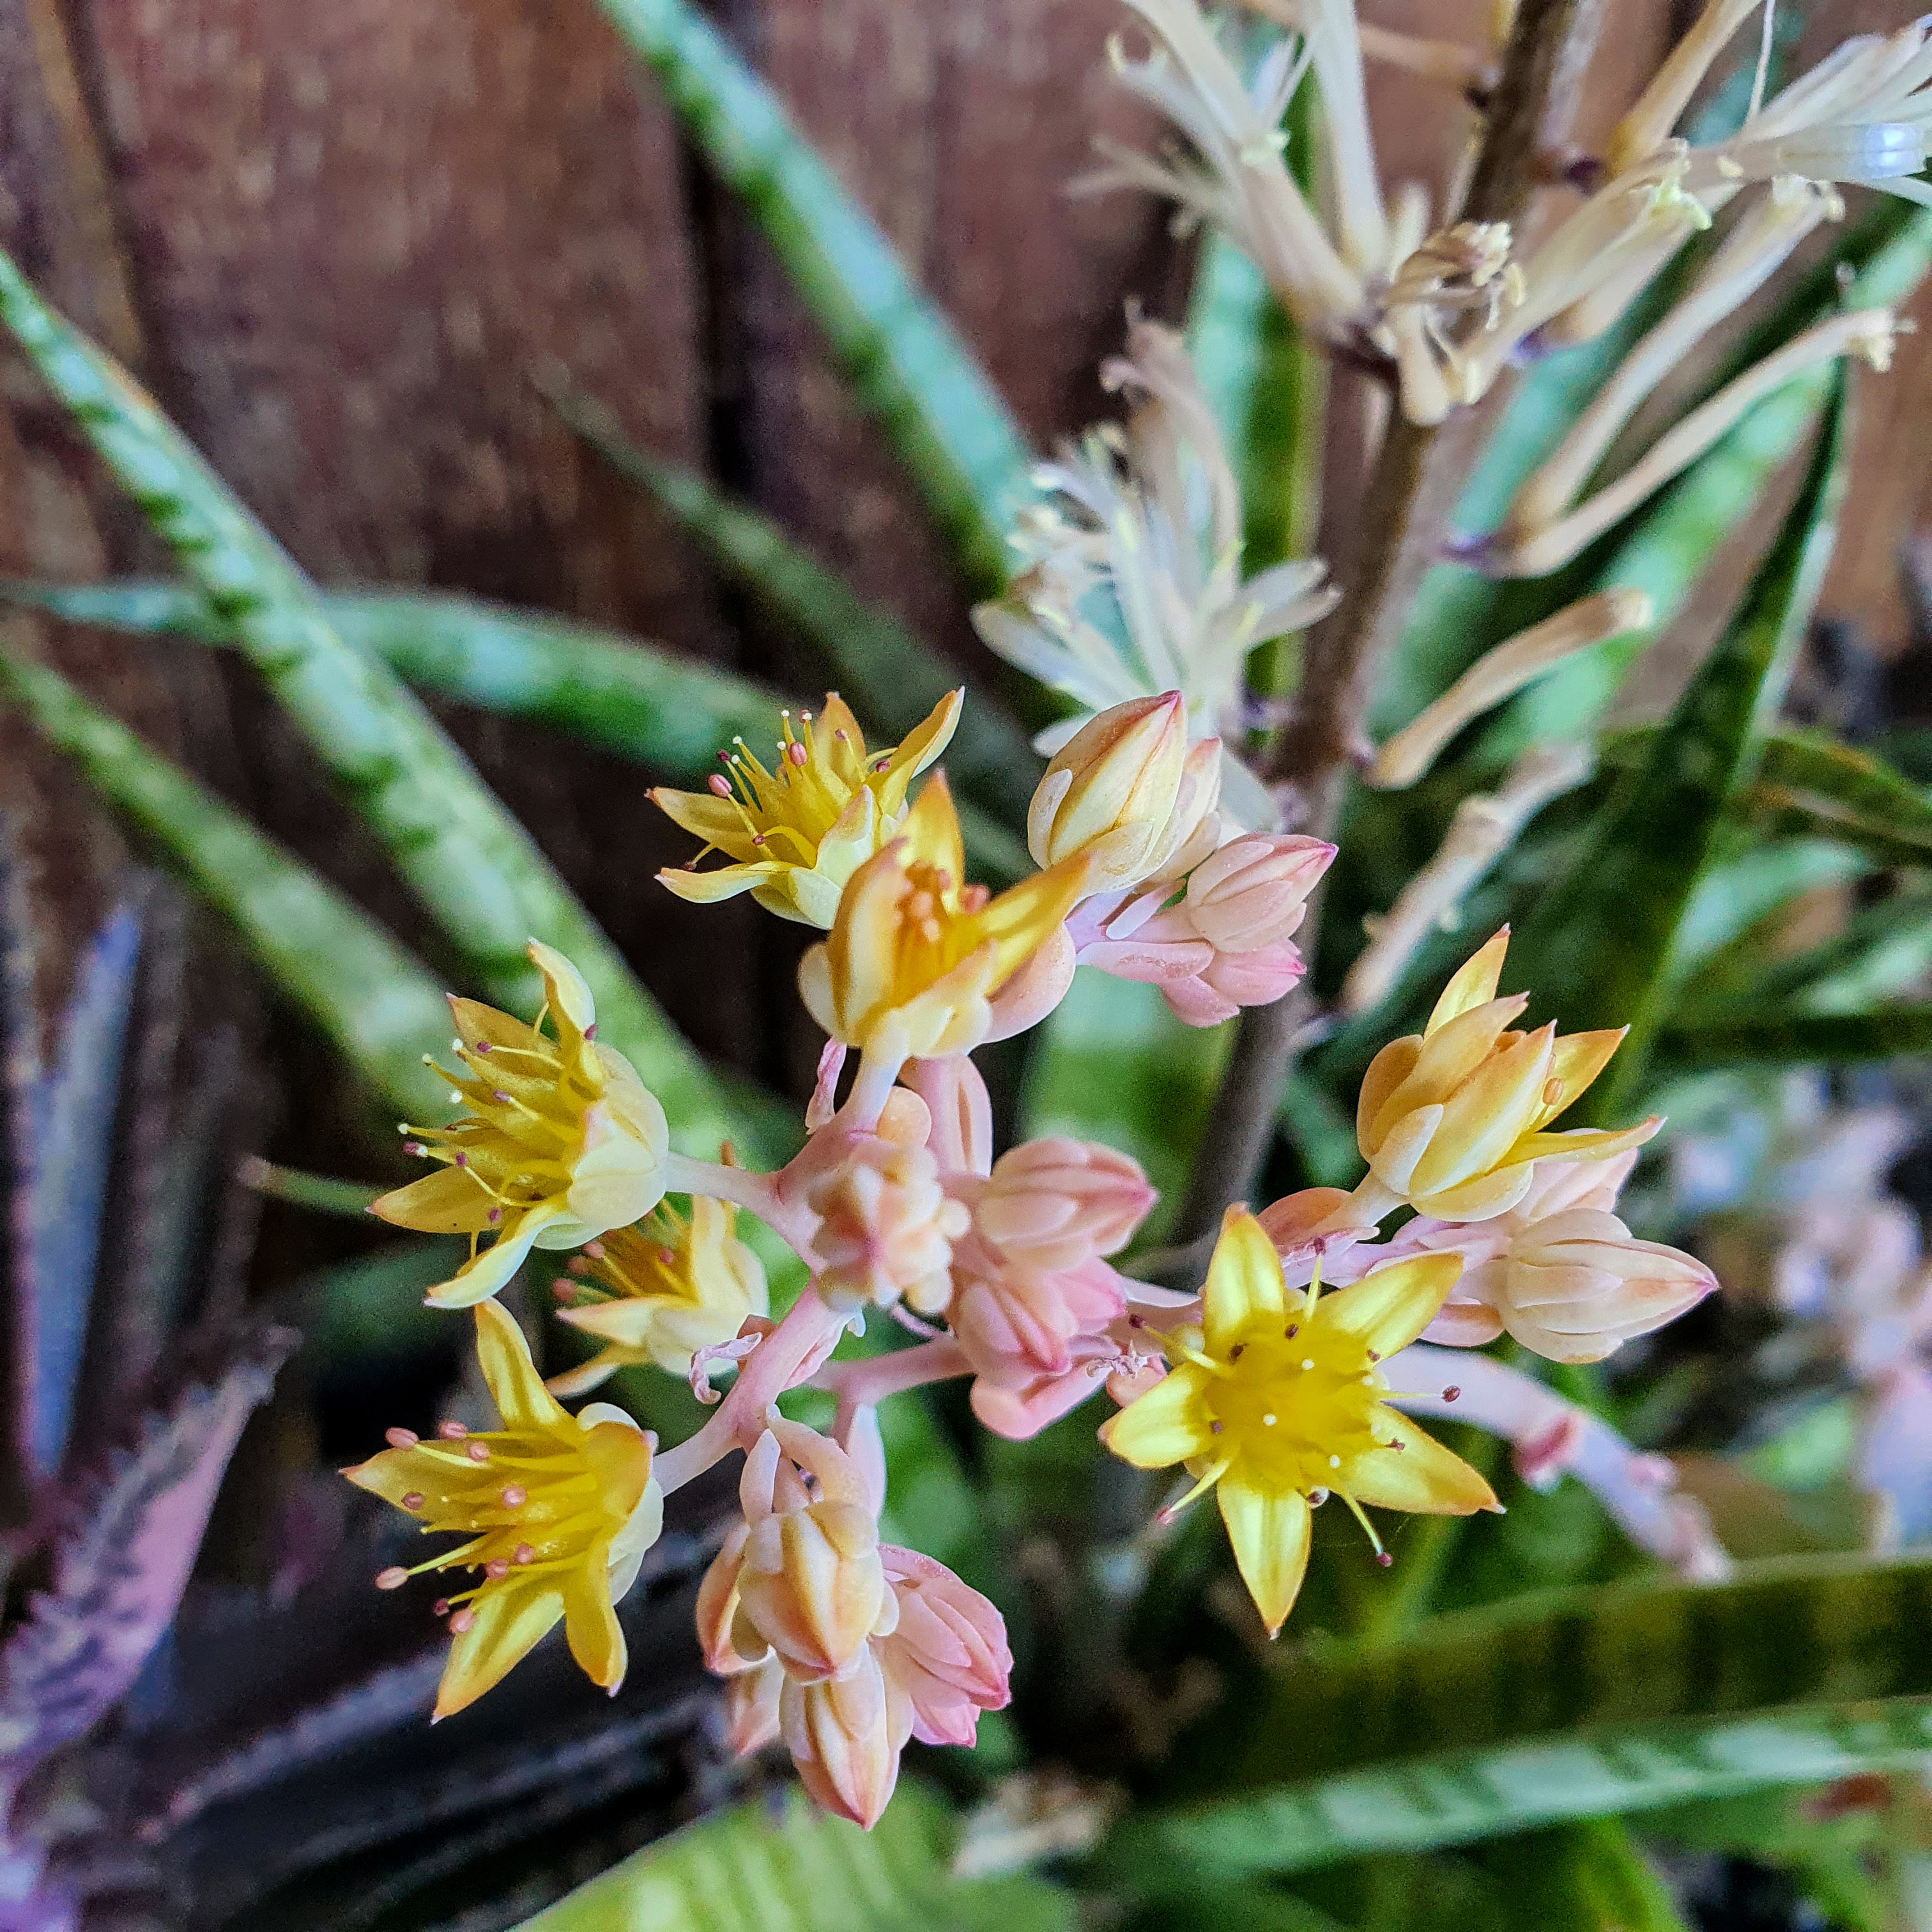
810, 1584
845, 1734
751, 1700
1253, 892
1233, 980
948, 1654
1055, 1203
1018, 1410
1575, 1286
885, 1227
1015, 1323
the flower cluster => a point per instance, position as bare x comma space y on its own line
1287, 1380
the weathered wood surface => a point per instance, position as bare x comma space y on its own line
337, 240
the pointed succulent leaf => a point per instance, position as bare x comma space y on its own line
907, 363
125, 1532
1788, 1036
1807, 782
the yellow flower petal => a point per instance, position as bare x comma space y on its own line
1269, 1529
719, 822
446, 1202
930, 830
1585, 1143
1387, 1072
509, 1623
1474, 985
509, 1374
721, 882
1169, 1424
1019, 920
489, 1271
1244, 1291
590, 1624
565, 989
840, 741
1481, 1199
1483, 1118
1578, 1059
1386, 1310
1421, 1477
918, 749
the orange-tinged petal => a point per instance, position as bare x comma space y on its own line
1269, 1528
717, 821
477, 1024
509, 1374
510, 1618
1474, 983
1386, 1310
1169, 1424
394, 1474
1578, 1059
1457, 1048
862, 948
1421, 1477
446, 1202
1244, 1291
1387, 1072
918, 749
1394, 1158
566, 989
1481, 1199
596, 1637
930, 830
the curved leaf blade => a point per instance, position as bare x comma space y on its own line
1592, 1702
472, 863
1808, 781
906, 362
375, 1002
1790, 1038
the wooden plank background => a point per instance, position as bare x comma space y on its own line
337, 239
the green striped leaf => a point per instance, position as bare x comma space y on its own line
1588, 1702
1798, 1039
1886, 950
1807, 781
467, 858
748, 1871
891, 678
377, 1003
1602, 939
663, 711
905, 362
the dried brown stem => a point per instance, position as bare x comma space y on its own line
1410, 491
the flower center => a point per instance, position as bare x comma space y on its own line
1296, 1408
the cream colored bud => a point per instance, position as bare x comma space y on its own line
1110, 793
752, 1701
845, 1734
885, 1227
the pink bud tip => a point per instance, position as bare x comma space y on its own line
1383, 1558
393, 1578
595, 1249
1451, 1393
719, 785
464, 1620
515, 1496
477, 1452
414, 1500
440, 1608
401, 1438
795, 753
522, 1553
496, 1567
451, 1432
461, 1159
496, 1215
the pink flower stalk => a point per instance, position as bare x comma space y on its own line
949, 1652
1056, 1203
810, 1584
845, 1734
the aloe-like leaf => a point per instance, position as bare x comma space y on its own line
748, 1871
1578, 1704
906, 362
1789, 1037
125, 1538
468, 858
1718, 943
1604, 935
368, 995
73, 1123
661, 710
1884, 950
1806, 781
1584, 1877
891, 677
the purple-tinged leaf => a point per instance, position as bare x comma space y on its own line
123, 1540
73, 1124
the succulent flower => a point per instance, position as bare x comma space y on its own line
794, 835
1276, 1404
562, 1142
555, 1511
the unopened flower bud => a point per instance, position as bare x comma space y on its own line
1016, 1325
751, 1704
810, 1585
886, 1226
1110, 794
718, 1607
845, 1734
1253, 892
1577, 1285
948, 1654
1055, 1203
1232, 980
